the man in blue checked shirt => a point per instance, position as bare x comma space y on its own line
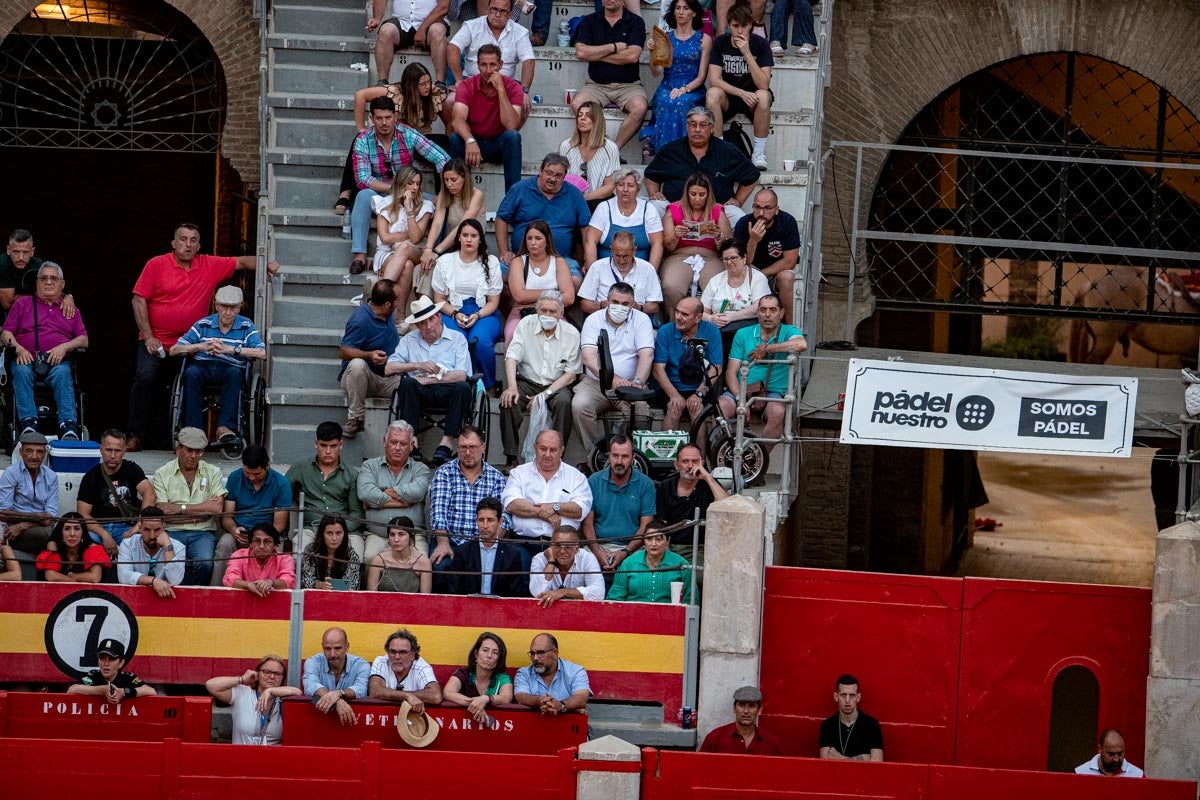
454, 495
221, 346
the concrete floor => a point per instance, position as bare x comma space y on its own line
1071, 519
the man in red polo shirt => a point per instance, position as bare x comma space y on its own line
742, 736
173, 291
487, 117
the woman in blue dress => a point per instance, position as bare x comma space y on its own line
682, 83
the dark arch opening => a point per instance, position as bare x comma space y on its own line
110, 120
1074, 719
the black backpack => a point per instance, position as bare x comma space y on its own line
692, 364
736, 135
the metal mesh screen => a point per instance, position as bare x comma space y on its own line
1056, 184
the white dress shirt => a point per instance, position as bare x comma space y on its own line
513, 41
542, 359
584, 575
568, 485
624, 340
602, 274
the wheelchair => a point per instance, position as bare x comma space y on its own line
479, 413
711, 432
251, 416
43, 398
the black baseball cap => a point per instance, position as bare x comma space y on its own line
111, 647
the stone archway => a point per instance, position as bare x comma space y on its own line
232, 32
891, 58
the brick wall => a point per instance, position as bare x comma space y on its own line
233, 34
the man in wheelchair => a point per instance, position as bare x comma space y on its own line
43, 336
436, 365
219, 348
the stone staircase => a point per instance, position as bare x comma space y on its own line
316, 58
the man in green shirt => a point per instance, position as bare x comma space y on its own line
769, 338
329, 486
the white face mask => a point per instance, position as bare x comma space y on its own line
618, 314
548, 323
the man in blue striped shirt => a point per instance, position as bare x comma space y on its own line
221, 346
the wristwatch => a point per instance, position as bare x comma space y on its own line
237, 349
556, 506
471, 140
562, 707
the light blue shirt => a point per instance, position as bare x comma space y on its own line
567, 680
20, 492
487, 563
318, 675
450, 350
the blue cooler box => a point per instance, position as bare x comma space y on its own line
72, 456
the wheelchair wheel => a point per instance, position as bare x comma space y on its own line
176, 404
482, 417
256, 411
754, 456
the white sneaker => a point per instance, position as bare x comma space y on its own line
760, 161
776, 49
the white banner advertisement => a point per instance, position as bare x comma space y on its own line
902, 404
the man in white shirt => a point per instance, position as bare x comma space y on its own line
496, 28
542, 495
565, 571
413, 23
621, 267
435, 363
148, 557
631, 345
542, 359
1109, 760
401, 674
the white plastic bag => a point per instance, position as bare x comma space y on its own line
539, 420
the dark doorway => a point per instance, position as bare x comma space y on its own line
121, 211
1074, 719
110, 115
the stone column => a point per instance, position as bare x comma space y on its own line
1173, 688
599, 785
732, 611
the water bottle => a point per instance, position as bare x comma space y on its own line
346, 224
564, 33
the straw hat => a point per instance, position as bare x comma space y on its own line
417, 730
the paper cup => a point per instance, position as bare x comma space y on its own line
789, 165
676, 592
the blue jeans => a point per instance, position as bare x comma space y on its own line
485, 332
203, 373
803, 29
116, 530
59, 380
200, 546
504, 149
360, 219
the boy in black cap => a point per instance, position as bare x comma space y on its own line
110, 681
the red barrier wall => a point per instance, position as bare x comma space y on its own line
950, 666
515, 729
75, 716
898, 634
672, 775
172, 770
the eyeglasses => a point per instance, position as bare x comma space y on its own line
470, 447
566, 545
705, 124
554, 176
540, 653
731, 259
400, 652
272, 673
49, 278
764, 208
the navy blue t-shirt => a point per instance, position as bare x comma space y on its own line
784, 235
365, 331
630, 29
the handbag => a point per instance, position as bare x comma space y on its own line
41, 364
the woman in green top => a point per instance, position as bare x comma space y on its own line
484, 681
647, 575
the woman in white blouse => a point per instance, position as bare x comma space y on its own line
467, 280
625, 212
536, 268
731, 297
402, 219
592, 155
255, 695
